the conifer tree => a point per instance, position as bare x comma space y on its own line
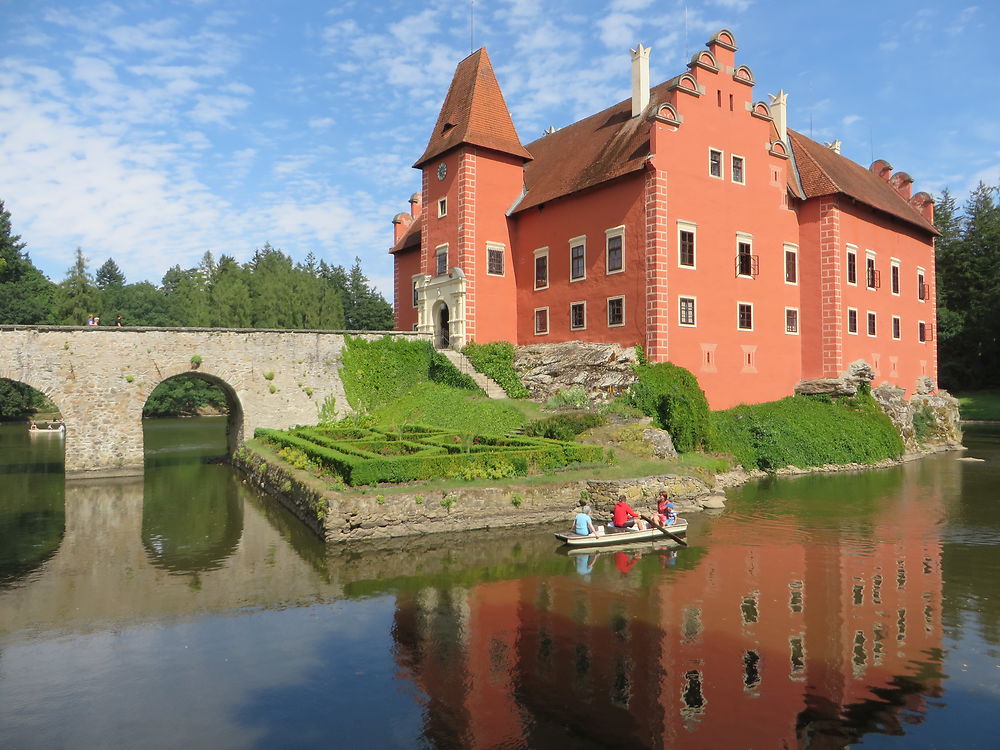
77, 297
25, 294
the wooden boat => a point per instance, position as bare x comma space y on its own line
48, 427
608, 536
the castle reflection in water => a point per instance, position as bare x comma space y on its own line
777, 637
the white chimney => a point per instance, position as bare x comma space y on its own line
779, 111
640, 79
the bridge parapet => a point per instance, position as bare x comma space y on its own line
100, 378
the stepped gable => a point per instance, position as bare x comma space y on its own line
825, 172
410, 239
596, 149
474, 112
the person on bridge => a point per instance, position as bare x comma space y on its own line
90, 320
119, 321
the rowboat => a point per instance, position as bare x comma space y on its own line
49, 427
609, 535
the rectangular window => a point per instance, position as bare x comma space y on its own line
541, 321
791, 320
739, 176
895, 327
852, 266
616, 311
791, 264
416, 294
578, 316
744, 316
923, 332
746, 261
715, 163
894, 277
686, 311
441, 258
494, 260
542, 268
686, 245
852, 320
442, 207
578, 258
616, 249
921, 286
871, 324
871, 275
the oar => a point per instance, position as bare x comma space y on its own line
676, 538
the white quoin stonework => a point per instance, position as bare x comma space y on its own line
640, 79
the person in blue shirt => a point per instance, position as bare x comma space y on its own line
584, 525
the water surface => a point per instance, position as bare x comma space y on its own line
179, 610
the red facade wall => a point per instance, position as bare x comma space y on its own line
406, 264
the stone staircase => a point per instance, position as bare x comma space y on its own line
464, 365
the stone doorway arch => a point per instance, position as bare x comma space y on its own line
442, 327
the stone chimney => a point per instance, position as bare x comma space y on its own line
415, 205
640, 79
400, 223
779, 112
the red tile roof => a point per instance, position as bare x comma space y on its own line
410, 239
474, 112
825, 172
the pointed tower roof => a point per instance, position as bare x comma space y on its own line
474, 112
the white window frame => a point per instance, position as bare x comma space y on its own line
540, 252
722, 166
548, 322
851, 250
687, 226
921, 323
618, 231
415, 293
694, 311
607, 308
442, 207
502, 249
798, 323
871, 317
922, 282
896, 331
732, 169
738, 326
578, 242
894, 265
857, 321
438, 252
743, 237
582, 303
870, 283
793, 249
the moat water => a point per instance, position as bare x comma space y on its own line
180, 610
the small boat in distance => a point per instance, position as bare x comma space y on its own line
47, 427
609, 535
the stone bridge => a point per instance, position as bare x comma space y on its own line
100, 377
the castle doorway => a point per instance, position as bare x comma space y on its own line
444, 323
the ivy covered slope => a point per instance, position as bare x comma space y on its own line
496, 361
798, 431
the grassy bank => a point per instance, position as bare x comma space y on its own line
980, 405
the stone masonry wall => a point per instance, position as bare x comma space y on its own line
100, 377
603, 370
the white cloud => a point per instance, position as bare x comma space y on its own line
849, 120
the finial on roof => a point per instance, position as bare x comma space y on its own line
833, 146
640, 78
549, 130
779, 112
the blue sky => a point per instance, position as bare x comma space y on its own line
151, 131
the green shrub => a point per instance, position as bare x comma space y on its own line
573, 398
672, 396
803, 431
924, 423
496, 361
564, 426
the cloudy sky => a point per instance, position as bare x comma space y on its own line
151, 131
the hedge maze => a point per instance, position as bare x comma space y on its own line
382, 454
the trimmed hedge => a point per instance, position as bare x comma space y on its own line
496, 361
805, 431
435, 460
671, 395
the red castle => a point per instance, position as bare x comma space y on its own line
688, 220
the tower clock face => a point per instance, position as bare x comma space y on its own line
442, 170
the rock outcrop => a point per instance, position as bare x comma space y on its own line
602, 370
846, 385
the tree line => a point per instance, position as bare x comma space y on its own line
968, 290
268, 291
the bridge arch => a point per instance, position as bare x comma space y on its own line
234, 408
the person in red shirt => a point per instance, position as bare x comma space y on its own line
624, 516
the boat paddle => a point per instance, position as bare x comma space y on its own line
676, 538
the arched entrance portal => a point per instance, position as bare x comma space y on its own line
442, 335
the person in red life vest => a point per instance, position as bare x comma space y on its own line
625, 517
